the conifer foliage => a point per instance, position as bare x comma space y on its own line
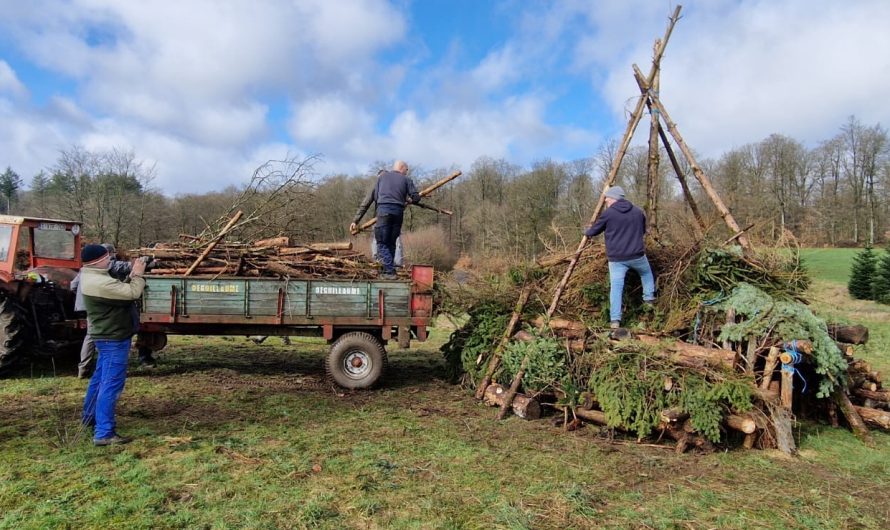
882, 277
862, 275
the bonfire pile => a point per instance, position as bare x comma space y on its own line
730, 355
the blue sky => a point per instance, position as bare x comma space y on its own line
206, 90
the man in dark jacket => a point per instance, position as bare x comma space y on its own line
391, 193
109, 304
624, 225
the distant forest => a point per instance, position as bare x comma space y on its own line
836, 193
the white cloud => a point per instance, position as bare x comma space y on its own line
205, 88
734, 72
9, 81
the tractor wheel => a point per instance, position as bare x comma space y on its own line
11, 335
357, 360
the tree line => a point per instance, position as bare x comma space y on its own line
836, 193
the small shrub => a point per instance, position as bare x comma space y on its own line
862, 275
881, 283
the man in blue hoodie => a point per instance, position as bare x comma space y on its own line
624, 225
391, 193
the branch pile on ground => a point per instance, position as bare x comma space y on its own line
275, 257
730, 354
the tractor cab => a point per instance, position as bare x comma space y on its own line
34, 249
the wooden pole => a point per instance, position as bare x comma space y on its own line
653, 179
423, 193
505, 339
700, 226
215, 242
699, 174
619, 156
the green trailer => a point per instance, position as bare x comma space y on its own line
357, 317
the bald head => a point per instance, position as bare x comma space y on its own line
400, 166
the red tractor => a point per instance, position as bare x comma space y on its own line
38, 260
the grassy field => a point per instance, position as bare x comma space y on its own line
234, 435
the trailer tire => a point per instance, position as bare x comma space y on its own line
357, 360
12, 334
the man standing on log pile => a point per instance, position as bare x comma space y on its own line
109, 304
392, 192
624, 225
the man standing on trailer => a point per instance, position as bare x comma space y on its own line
109, 306
624, 225
392, 192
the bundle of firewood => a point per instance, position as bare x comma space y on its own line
275, 257
867, 394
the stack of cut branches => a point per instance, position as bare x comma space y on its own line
275, 257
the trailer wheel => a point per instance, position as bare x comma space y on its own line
11, 335
357, 360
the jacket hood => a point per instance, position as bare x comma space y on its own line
622, 206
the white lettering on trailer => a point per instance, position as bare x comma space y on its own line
321, 289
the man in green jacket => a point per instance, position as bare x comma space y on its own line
109, 305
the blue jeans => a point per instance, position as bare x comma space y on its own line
386, 232
617, 272
106, 386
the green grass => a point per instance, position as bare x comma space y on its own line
829, 264
234, 435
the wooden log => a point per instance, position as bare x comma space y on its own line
523, 406
505, 339
870, 386
315, 247
559, 323
740, 422
802, 346
215, 242
787, 389
271, 242
591, 415
693, 355
562, 327
199, 270
769, 367
874, 417
857, 334
847, 349
874, 395
853, 418
635, 117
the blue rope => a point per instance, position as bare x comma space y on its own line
790, 368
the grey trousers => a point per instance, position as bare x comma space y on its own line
87, 354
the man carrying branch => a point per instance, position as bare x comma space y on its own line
624, 225
392, 192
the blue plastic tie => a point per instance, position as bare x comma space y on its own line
790, 368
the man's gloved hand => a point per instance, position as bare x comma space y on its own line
353, 228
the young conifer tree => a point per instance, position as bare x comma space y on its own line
862, 275
881, 284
